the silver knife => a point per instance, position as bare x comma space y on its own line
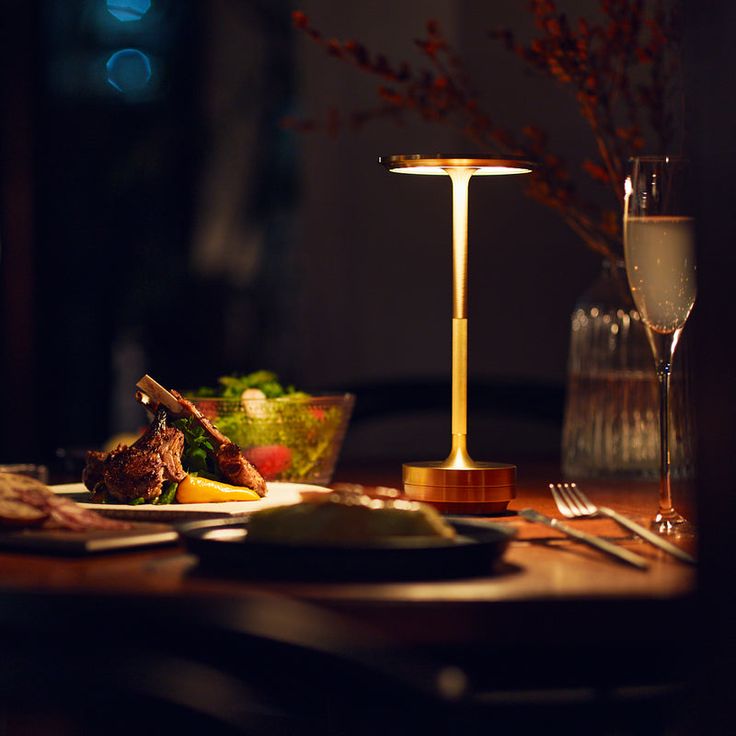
621, 554
647, 535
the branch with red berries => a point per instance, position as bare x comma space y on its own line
621, 72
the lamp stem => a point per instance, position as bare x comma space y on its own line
460, 178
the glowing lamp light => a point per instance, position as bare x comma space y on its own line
438, 165
459, 484
127, 11
128, 70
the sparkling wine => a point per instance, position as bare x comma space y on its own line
660, 255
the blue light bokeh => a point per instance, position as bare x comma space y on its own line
129, 70
128, 10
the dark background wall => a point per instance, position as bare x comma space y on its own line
182, 232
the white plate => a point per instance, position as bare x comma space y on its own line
279, 494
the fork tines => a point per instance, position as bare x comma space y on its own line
570, 500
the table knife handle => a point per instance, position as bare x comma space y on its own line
648, 535
602, 545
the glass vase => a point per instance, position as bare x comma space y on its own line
611, 420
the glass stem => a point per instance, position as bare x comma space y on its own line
663, 348
664, 370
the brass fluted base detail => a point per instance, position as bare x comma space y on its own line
472, 488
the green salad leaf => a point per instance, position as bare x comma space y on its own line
232, 386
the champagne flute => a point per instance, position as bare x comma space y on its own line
659, 247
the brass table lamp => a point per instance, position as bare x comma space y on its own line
459, 484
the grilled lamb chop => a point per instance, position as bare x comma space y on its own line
93, 475
139, 471
229, 457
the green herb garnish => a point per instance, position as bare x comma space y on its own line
198, 456
168, 494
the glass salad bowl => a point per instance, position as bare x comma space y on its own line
296, 437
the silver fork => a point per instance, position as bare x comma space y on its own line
573, 503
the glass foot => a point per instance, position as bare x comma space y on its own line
672, 525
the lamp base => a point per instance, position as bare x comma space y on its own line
483, 488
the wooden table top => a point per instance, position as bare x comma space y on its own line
556, 626
541, 565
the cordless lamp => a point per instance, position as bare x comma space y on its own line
459, 484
